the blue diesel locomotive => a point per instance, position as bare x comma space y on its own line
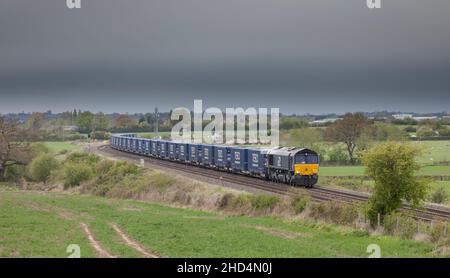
294, 166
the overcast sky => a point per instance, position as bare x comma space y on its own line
303, 56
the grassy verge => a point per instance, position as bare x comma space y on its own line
360, 171
366, 186
31, 226
57, 147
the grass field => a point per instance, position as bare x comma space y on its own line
434, 151
359, 171
56, 147
367, 185
151, 135
43, 225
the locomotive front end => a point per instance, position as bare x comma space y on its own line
306, 168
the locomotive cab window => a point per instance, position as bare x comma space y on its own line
306, 159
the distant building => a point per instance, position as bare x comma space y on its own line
324, 121
425, 118
402, 116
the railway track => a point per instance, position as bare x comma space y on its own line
318, 193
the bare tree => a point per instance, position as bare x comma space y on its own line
14, 146
348, 130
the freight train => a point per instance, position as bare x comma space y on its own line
290, 165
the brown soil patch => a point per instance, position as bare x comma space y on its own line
278, 233
94, 243
132, 243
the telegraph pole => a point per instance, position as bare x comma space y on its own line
156, 121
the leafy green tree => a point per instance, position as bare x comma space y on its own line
389, 132
392, 166
144, 125
76, 173
101, 122
14, 173
435, 125
337, 155
42, 166
85, 121
439, 196
425, 131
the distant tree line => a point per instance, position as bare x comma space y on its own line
354, 130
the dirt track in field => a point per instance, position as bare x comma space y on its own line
132, 243
94, 243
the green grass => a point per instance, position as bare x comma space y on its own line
174, 232
153, 134
56, 147
434, 151
435, 171
360, 171
367, 185
342, 171
25, 232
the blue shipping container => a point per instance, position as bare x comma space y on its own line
172, 150
154, 148
164, 149
208, 155
146, 146
222, 157
239, 159
257, 161
195, 153
182, 152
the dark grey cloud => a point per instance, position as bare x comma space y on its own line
313, 56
